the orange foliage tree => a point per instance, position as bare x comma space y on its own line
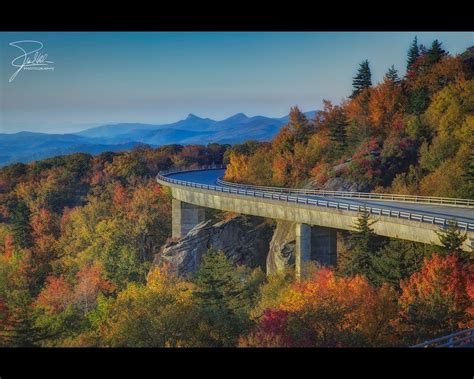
437, 300
329, 311
385, 106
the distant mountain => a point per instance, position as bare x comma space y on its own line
28, 146
191, 123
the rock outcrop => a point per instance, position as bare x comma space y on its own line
338, 183
281, 253
244, 239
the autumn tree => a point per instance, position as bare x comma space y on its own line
158, 314
90, 282
436, 300
328, 311
385, 107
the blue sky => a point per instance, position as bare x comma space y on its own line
161, 77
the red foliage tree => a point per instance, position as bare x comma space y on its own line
438, 299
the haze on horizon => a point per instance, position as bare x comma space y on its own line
156, 77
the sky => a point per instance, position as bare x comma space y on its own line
97, 78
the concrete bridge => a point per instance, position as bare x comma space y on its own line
317, 214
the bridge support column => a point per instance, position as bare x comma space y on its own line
314, 243
303, 247
185, 216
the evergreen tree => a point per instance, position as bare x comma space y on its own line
418, 101
397, 260
365, 245
363, 79
337, 129
413, 53
216, 281
452, 238
422, 49
392, 74
21, 228
221, 295
435, 53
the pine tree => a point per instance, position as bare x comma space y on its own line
337, 129
413, 53
21, 228
452, 238
220, 295
435, 53
397, 260
363, 79
365, 244
418, 101
216, 281
392, 74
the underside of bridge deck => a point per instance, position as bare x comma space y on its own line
314, 243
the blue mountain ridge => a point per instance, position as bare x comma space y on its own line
29, 146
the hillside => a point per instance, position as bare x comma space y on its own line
407, 135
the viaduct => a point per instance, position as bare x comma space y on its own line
317, 214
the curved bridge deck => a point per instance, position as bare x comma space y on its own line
399, 219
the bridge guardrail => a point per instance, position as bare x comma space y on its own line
360, 195
457, 339
320, 203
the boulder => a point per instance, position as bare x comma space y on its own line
244, 239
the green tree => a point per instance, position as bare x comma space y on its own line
18, 329
413, 53
337, 128
363, 79
452, 238
392, 74
225, 296
397, 260
435, 52
418, 101
21, 228
365, 244
217, 284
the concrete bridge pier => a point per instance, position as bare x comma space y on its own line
185, 216
314, 243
